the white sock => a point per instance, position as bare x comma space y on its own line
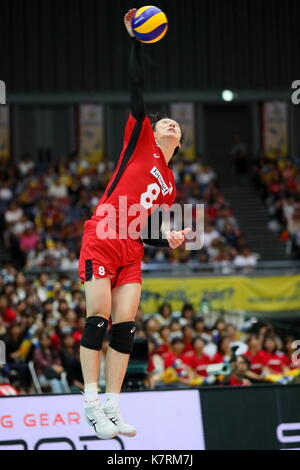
91, 391
111, 399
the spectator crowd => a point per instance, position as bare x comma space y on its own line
42, 320
279, 183
43, 209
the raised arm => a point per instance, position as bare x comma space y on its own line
136, 72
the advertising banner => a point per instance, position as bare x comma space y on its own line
261, 417
275, 129
253, 294
4, 132
91, 132
164, 420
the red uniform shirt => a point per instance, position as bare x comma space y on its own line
188, 346
275, 361
257, 361
217, 358
9, 315
162, 349
145, 180
198, 364
151, 366
235, 381
77, 335
171, 360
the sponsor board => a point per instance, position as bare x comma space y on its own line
164, 420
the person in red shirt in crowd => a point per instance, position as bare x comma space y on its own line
62, 327
151, 349
177, 359
224, 352
77, 335
240, 366
292, 351
165, 346
188, 333
255, 355
265, 329
8, 313
196, 359
155, 365
274, 361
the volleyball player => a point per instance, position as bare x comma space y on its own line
111, 268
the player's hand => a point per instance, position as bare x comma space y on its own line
176, 239
127, 21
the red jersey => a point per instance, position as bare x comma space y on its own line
275, 361
257, 361
198, 364
9, 315
188, 346
217, 358
171, 360
162, 349
233, 380
77, 335
141, 181
151, 366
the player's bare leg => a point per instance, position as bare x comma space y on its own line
98, 304
125, 302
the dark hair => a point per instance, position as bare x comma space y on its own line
154, 118
188, 325
198, 320
187, 307
266, 338
176, 341
220, 319
165, 304
162, 328
196, 338
220, 344
245, 359
252, 335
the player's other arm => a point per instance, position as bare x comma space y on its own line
136, 73
173, 239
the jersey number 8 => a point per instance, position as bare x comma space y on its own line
150, 195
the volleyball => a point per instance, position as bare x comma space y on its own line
149, 24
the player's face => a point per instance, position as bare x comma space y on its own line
168, 128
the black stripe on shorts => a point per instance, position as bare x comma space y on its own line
88, 270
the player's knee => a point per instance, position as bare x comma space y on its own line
94, 333
122, 336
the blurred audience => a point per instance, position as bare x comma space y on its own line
278, 181
42, 321
43, 209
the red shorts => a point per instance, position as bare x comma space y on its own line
121, 260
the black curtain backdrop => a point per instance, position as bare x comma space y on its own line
81, 45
